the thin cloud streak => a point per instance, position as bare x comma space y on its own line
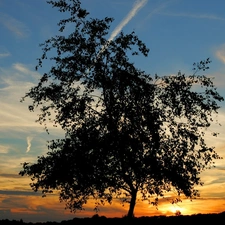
196, 16
19, 67
18, 28
29, 139
158, 9
4, 55
4, 149
220, 53
137, 6
4, 51
155, 11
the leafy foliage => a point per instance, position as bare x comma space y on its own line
125, 131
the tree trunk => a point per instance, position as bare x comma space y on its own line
132, 205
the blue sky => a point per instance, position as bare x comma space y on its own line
178, 33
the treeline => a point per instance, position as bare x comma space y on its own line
156, 220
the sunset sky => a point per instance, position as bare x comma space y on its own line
178, 33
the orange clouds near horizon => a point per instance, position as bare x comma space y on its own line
37, 209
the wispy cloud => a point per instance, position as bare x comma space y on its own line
220, 53
196, 16
25, 70
14, 83
23, 193
158, 9
29, 139
4, 149
4, 54
13, 86
137, 6
18, 28
30, 206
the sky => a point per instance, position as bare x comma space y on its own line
178, 33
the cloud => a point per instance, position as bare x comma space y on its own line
137, 6
4, 54
29, 139
220, 53
25, 70
9, 175
159, 9
4, 149
20, 193
18, 28
33, 208
196, 16
13, 85
18, 124
5, 213
22, 68
155, 10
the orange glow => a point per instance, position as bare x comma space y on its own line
20, 206
28, 206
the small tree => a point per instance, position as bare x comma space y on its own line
125, 131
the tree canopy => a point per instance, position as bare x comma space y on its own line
126, 132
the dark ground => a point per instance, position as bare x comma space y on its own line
157, 220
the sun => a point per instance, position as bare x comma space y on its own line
176, 210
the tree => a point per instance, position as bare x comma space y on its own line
125, 131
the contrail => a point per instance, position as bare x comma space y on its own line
29, 139
137, 6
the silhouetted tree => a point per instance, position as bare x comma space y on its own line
125, 131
